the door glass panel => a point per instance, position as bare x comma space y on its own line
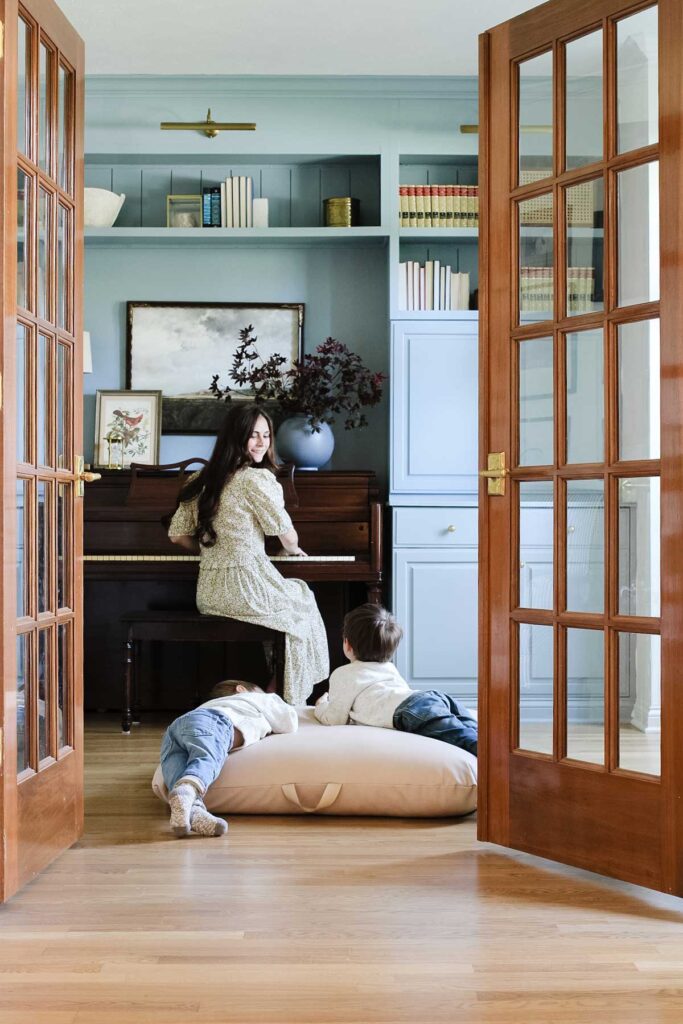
23, 247
21, 394
585, 241
22, 703
639, 546
586, 695
637, 87
536, 402
64, 106
22, 548
63, 546
536, 688
24, 35
536, 246
640, 703
44, 208
585, 545
536, 544
63, 385
638, 234
43, 524
63, 220
583, 133
585, 396
639, 390
536, 118
44, 74
43, 370
44, 672
63, 675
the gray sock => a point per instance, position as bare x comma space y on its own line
203, 823
181, 799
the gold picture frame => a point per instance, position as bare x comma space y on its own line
127, 428
183, 211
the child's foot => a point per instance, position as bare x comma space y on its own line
181, 799
203, 823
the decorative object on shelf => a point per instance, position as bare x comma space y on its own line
331, 381
130, 420
209, 127
260, 213
87, 353
341, 212
101, 207
183, 211
176, 346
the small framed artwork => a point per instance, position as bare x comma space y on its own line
179, 346
127, 428
183, 211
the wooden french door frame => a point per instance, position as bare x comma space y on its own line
605, 820
41, 809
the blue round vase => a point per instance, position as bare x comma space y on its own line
297, 442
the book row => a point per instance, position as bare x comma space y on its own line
536, 289
231, 204
432, 287
438, 206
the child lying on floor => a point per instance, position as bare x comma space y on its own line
195, 746
371, 691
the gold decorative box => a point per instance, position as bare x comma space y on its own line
341, 212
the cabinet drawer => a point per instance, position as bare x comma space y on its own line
435, 527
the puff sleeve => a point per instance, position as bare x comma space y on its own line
185, 519
266, 500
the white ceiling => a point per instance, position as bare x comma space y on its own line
285, 37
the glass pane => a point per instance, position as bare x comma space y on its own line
63, 220
22, 93
585, 243
22, 703
21, 395
536, 544
44, 672
44, 207
64, 107
585, 545
44, 68
536, 285
43, 453
637, 72
639, 390
639, 546
585, 396
23, 246
22, 547
638, 233
536, 688
583, 132
536, 118
536, 402
43, 520
63, 384
63, 633
586, 695
63, 537
640, 703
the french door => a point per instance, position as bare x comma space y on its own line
582, 437
42, 185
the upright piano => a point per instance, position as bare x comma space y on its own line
130, 564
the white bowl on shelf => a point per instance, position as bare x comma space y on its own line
101, 207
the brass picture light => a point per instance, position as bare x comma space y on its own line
209, 127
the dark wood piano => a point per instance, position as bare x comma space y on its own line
130, 564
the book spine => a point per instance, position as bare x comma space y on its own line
206, 206
250, 202
436, 298
235, 201
228, 203
403, 211
420, 206
450, 200
421, 276
428, 200
412, 206
223, 220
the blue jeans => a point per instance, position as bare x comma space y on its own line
196, 744
437, 715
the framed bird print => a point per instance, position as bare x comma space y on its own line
127, 428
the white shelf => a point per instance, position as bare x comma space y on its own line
435, 314
370, 236
438, 234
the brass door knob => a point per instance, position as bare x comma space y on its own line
89, 478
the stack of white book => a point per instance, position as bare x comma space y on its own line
432, 287
239, 209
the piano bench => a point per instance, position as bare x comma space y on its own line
191, 627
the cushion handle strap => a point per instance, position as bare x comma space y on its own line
329, 795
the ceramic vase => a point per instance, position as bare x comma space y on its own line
101, 207
297, 442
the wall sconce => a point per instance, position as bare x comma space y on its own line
87, 353
210, 128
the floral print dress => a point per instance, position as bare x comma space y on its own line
237, 579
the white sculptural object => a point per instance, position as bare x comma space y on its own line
101, 207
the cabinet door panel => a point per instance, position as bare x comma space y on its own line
434, 408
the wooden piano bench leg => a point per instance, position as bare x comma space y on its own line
375, 594
129, 669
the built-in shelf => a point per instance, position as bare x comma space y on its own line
437, 314
438, 234
338, 237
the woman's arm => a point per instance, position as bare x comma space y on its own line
186, 541
290, 542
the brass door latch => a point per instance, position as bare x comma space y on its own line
496, 473
82, 477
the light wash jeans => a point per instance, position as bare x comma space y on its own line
440, 716
196, 744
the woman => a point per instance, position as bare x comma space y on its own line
228, 508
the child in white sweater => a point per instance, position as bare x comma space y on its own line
371, 691
195, 746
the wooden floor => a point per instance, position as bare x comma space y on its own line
309, 919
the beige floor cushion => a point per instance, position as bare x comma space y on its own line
344, 769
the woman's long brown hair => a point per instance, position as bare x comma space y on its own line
229, 455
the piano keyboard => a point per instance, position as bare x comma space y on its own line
195, 558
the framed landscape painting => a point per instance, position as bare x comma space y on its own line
177, 347
127, 428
